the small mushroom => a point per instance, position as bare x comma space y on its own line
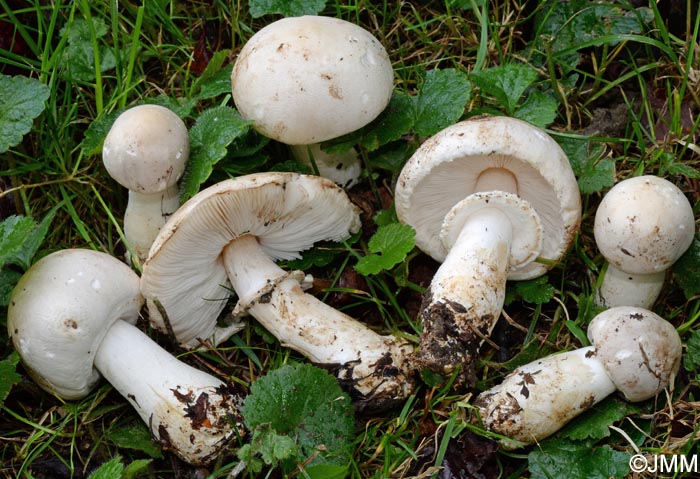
642, 226
71, 319
487, 197
228, 236
633, 351
304, 80
145, 151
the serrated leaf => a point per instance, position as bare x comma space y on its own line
507, 83
441, 100
135, 436
593, 172
212, 133
97, 132
306, 404
79, 55
537, 291
13, 231
22, 99
8, 375
112, 469
595, 423
576, 460
691, 356
34, 239
686, 271
538, 109
388, 246
287, 8
217, 84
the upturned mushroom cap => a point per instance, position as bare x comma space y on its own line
308, 79
60, 311
640, 350
644, 224
286, 212
447, 166
146, 149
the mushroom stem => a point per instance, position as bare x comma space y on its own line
628, 289
537, 399
145, 215
375, 366
497, 179
187, 410
343, 168
465, 296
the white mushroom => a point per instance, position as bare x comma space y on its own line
234, 231
487, 197
633, 351
145, 151
304, 80
642, 226
71, 319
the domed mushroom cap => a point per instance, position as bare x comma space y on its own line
447, 166
60, 311
644, 224
146, 149
286, 212
308, 79
640, 350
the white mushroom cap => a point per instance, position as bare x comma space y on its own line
286, 212
146, 149
308, 79
644, 224
640, 350
447, 167
60, 311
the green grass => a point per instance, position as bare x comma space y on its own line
652, 76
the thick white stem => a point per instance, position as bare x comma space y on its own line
344, 168
496, 179
537, 399
467, 292
374, 365
625, 289
145, 215
187, 410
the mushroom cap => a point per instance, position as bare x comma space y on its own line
287, 212
60, 311
445, 169
308, 79
640, 350
644, 224
146, 149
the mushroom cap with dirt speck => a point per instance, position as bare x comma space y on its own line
146, 149
446, 167
640, 350
308, 79
60, 311
644, 224
286, 212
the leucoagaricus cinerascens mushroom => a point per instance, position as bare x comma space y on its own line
145, 151
71, 319
642, 226
233, 232
633, 351
304, 80
487, 197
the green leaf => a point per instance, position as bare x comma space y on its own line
593, 172
388, 247
22, 99
538, 109
507, 83
576, 460
34, 239
306, 404
137, 468
595, 423
97, 132
79, 56
537, 291
686, 271
441, 100
691, 356
327, 471
8, 375
13, 231
135, 436
8, 280
212, 133
112, 469
287, 8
